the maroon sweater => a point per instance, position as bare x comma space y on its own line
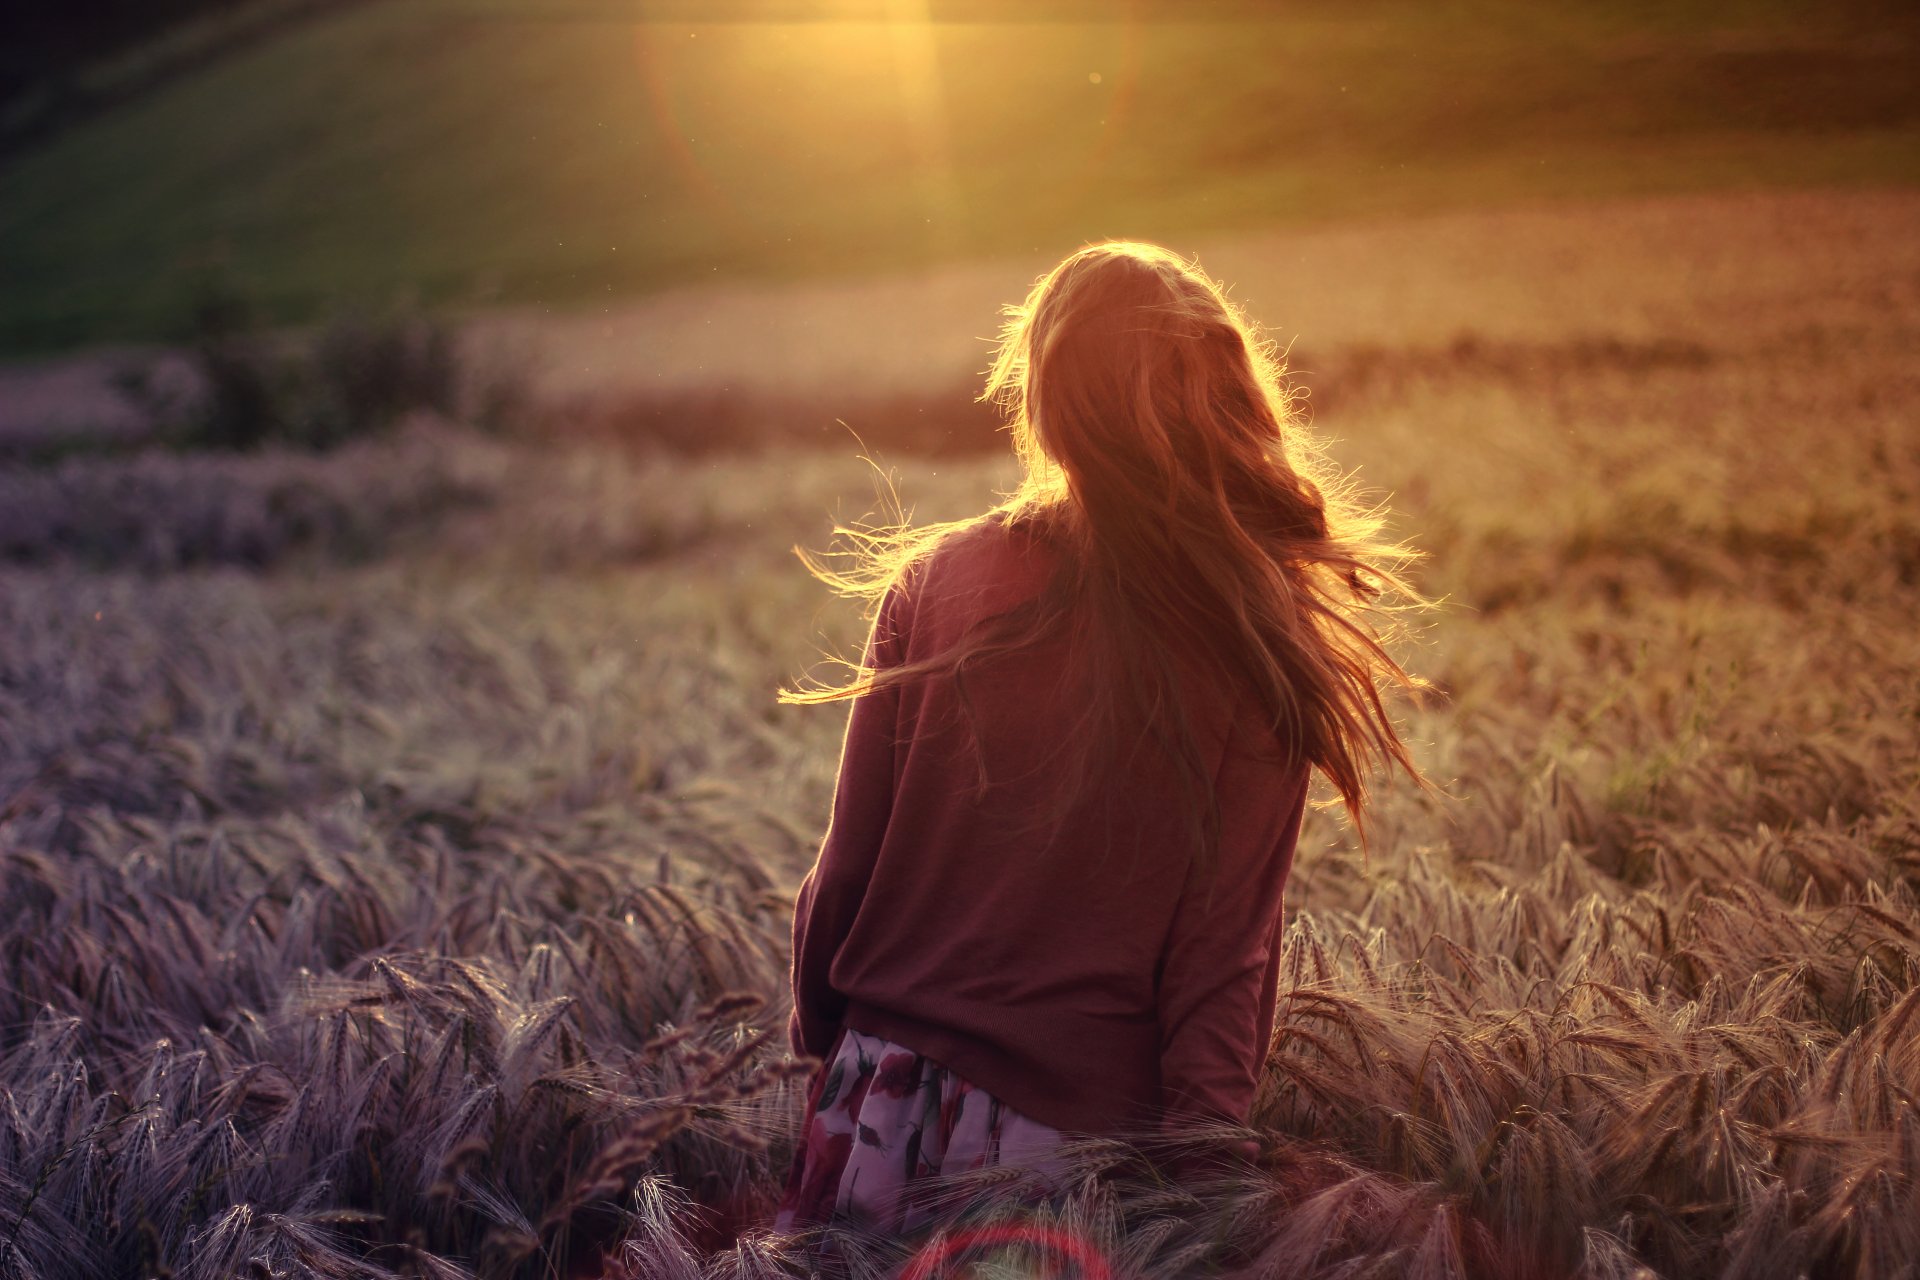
1082, 967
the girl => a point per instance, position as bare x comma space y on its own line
1049, 898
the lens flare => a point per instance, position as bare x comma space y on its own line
1056, 1241
673, 133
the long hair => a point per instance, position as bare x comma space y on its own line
1203, 532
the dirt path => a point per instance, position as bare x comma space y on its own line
1668, 268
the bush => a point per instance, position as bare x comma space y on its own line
369, 372
356, 376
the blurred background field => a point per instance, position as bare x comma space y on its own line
470, 151
397, 829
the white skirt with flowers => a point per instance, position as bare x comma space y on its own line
882, 1120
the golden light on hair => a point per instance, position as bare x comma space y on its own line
1201, 529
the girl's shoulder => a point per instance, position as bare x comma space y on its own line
992, 562
997, 545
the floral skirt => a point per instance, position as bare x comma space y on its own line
882, 1118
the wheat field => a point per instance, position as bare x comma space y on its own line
397, 845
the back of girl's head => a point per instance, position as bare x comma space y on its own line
1136, 390
1153, 417
1203, 532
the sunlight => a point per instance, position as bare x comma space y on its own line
925, 130
921, 100
858, 97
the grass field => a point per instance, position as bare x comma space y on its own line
381, 833
471, 151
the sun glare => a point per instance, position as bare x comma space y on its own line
918, 69
895, 116
852, 95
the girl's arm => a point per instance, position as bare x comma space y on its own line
1218, 976
862, 803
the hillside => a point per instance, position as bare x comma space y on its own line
473, 151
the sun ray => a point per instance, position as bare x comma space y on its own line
917, 65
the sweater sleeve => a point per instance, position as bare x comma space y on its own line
1220, 968
830, 895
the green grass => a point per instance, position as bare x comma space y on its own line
466, 151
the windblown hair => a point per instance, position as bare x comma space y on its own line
1203, 532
